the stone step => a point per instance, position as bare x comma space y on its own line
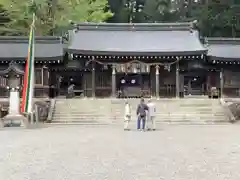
175, 115
172, 119
159, 124
168, 105
134, 126
170, 112
76, 123
82, 113
135, 121
206, 108
214, 118
171, 103
179, 118
137, 102
180, 122
111, 111
81, 118
178, 114
214, 113
134, 108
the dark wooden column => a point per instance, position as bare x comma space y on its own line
208, 82
157, 81
177, 80
221, 82
113, 80
93, 79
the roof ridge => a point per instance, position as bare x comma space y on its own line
24, 39
134, 26
223, 40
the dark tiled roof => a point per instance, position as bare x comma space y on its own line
136, 39
224, 48
13, 67
46, 48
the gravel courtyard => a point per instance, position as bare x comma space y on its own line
108, 153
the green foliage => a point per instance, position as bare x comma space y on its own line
219, 18
117, 6
52, 14
160, 11
215, 17
3, 20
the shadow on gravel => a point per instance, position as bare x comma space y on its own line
28, 127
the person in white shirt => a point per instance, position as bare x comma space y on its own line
151, 123
127, 116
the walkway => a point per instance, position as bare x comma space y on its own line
108, 153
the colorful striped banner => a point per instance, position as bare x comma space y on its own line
28, 88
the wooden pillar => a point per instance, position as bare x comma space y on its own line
189, 87
208, 82
1, 121
93, 79
177, 80
221, 83
113, 80
84, 84
42, 76
157, 81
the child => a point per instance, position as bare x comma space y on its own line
127, 116
151, 122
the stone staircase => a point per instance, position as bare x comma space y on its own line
81, 111
110, 111
180, 111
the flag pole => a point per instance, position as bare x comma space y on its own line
31, 113
14, 115
28, 87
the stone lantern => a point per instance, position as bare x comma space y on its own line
13, 73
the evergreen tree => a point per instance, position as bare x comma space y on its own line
52, 15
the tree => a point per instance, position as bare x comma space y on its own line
52, 15
3, 20
126, 11
116, 6
160, 11
218, 18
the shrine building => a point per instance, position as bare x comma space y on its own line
124, 61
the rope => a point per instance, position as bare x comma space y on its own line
133, 61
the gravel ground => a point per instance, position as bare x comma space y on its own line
97, 153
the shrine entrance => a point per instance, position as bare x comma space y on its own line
133, 80
195, 83
133, 85
68, 79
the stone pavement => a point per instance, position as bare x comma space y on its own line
108, 153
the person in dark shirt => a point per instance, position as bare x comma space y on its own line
141, 114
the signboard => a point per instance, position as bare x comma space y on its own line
133, 68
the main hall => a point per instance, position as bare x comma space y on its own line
125, 61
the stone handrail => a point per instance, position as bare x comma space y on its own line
227, 110
51, 109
